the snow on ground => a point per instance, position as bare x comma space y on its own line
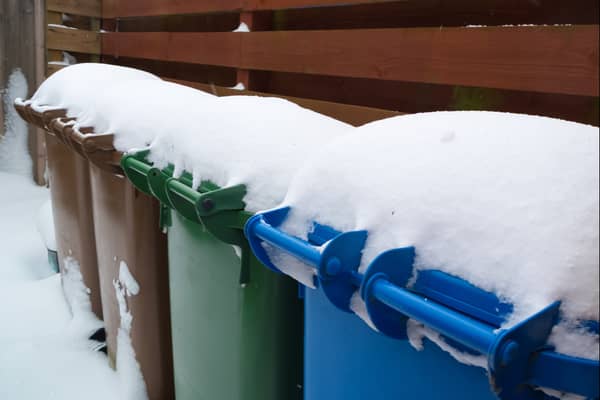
13, 143
132, 382
258, 141
45, 352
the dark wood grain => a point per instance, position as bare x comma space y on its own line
553, 59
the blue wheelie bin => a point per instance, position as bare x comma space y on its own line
346, 359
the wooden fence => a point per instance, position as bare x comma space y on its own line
356, 60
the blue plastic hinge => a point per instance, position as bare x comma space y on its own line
335, 263
518, 358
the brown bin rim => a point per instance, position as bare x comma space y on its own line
98, 148
38, 118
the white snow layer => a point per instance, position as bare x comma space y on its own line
45, 352
258, 141
45, 225
14, 154
76, 87
78, 297
24, 256
243, 27
131, 380
417, 332
508, 202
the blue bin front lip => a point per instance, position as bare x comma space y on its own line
449, 305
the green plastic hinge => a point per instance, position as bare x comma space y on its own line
164, 219
195, 205
136, 170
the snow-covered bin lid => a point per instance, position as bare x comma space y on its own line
499, 204
250, 140
508, 202
74, 87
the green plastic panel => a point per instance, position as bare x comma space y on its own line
230, 341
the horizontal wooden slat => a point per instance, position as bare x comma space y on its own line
54, 55
562, 59
142, 8
77, 40
354, 115
220, 76
200, 47
53, 17
545, 59
89, 8
52, 68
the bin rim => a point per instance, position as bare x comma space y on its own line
97, 148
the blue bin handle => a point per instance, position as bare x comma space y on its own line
515, 356
334, 264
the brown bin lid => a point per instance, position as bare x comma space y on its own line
41, 119
22, 111
98, 148
56, 127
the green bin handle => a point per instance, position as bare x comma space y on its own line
137, 170
194, 205
221, 211
140, 174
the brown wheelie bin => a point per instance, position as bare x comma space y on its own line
70, 191
132, 261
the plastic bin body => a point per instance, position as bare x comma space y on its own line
71, 195
127, 229
230, 341
345, 359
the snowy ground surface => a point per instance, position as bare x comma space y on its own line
44, 351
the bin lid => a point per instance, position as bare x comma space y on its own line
507, 202
255, 141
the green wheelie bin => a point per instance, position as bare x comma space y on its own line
236, 326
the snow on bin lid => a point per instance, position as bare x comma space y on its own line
508, 202
74, 87
256, 141
251, 140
